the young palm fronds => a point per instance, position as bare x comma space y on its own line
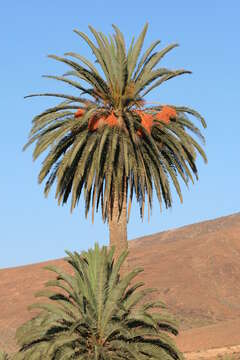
4, 355
97, 314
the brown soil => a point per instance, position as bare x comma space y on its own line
225, 334
224, 353
196, 270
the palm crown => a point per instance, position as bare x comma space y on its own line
109, 144
95, 314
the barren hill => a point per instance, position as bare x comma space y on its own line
196, 270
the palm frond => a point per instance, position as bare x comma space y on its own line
97, 313
89, 155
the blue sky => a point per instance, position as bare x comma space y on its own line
34, 229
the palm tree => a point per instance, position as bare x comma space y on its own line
95, 314
106, 142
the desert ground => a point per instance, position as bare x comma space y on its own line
195, 268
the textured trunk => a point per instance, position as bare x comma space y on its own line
118, 228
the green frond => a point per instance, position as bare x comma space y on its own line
84, 60
107, 56
134, 52
146, 57
154, 60
121, 158
97, 311
98, 54
88, 76
4, 355
165, 78
191, 112
142, 83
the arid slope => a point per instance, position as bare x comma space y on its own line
196, 270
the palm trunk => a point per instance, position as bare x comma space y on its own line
118, 228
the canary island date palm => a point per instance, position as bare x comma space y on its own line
94, 314
106, 142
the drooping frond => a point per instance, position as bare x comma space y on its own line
4, 355
94, 313
110, 140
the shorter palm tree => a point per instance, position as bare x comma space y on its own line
97, 314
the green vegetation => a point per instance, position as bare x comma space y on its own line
4, 355
96, 314
106, 142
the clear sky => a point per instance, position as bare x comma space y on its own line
34, 229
